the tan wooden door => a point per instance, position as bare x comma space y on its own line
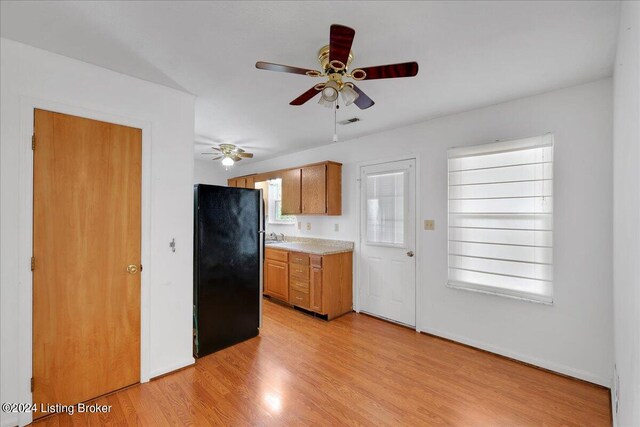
86, 234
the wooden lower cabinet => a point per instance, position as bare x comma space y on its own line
319, 283
276, 274
316, 289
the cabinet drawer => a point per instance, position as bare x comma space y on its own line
276, 255
298, 298
299, 285
299, 258
300, 272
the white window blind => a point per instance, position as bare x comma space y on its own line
501, 218
386, 208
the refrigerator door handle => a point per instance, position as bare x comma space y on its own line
261, 233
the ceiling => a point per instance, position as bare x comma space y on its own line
471, 54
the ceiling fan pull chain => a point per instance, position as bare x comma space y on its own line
335, 121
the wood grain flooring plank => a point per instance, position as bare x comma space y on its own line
356, 371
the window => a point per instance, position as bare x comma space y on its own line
275, 204
386, 208
501, 218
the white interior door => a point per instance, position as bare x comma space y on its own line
387, 269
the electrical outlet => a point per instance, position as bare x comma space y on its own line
336, 227
299, 225
429, 224
308, 226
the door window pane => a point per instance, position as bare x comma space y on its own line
386, 208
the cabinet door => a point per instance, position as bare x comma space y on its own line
314, 189
250, 183
291, 192
316, 289
231, 183
276, 279
241, 182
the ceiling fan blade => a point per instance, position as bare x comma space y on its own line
391, 71
284, 68
305, 96
246, 155
340, 40
216, 148
236, 158
217, 158
362, 101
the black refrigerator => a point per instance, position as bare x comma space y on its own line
228, 256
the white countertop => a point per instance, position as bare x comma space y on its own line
312, 246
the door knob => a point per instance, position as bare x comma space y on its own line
132, 269
410, 253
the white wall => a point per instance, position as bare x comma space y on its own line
209, 172
574, 336
34, 77
626, 229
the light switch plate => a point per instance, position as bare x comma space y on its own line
336, 227
299, 225
429, 224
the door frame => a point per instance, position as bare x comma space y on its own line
25, 232
418, 250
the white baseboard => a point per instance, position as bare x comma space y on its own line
614, 420
175, 367
561, 369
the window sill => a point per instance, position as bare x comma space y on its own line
500, 293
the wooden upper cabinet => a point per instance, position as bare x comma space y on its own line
291, 194
242, 182
314, 190
322, 189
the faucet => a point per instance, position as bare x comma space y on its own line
282, 236
273, 236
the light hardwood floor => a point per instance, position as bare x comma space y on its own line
355, 370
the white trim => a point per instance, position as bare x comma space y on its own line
174, 367
418, 248
555, 367
545, 140
499, 292
25, 231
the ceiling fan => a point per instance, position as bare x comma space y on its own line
335, 59
229, 153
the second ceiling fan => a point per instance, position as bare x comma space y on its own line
335, 60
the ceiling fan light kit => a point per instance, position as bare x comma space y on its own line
335, 60
229, 153
348, 94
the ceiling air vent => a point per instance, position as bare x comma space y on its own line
349, 121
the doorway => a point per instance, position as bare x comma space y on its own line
387, 268
86, 257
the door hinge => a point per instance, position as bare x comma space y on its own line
33, 141
32, 384
140, 268
33, 263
